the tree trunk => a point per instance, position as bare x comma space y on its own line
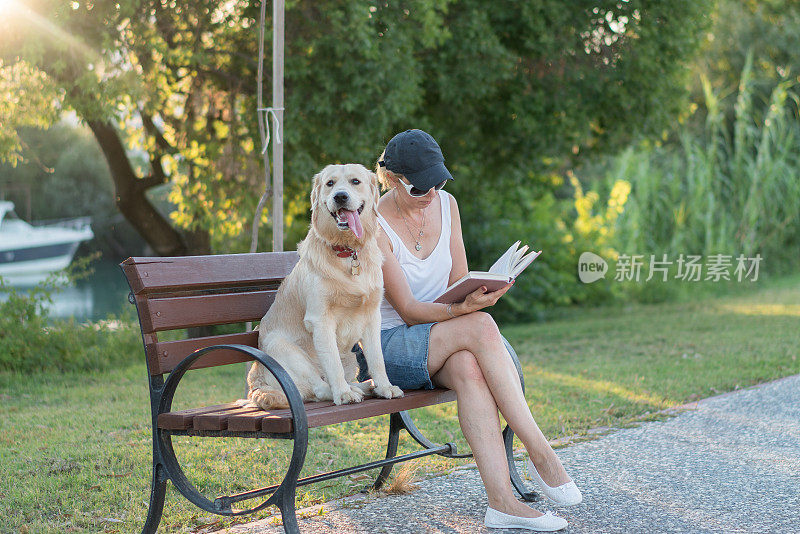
134, 204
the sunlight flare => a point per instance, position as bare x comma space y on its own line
24, 14
789, 310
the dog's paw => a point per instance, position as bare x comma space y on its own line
348, 396
365, 387
323, 392
388, 392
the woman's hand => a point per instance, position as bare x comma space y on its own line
479, 299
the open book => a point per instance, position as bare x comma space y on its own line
503, 272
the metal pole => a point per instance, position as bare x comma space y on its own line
277, 139
274, 114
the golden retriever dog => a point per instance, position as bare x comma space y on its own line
330, 301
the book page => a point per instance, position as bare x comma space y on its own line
524, 262
503, 264
516, 257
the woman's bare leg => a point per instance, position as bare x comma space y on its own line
480, 424
477, 333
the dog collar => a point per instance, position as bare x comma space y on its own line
344, 252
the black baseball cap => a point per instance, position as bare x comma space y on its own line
417, 156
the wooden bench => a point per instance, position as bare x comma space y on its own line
197, 291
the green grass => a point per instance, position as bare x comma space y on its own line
613, 365
75, 448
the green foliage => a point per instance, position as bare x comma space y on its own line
27, 99
513, 91
506, 87
539, 219
522, 91
725, 180
732, 188
767, 29
33, 342
526, 85
68, 176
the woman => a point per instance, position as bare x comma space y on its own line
455, 346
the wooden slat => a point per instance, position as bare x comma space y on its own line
156, 274
163, 357
372, 407
280, 421
250, 418
182, 419
219, 420
277, 420
158, 314
237, 418
242, 418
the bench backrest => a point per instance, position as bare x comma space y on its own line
174, 293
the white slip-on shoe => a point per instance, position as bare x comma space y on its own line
566, 494
544, 523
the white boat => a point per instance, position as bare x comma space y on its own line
29, 253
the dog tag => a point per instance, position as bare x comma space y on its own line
355, 267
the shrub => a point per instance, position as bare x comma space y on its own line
31, 341
534, 215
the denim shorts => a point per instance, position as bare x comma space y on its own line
405, 354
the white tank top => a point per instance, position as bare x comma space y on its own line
428, 277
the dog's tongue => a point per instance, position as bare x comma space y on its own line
354, 222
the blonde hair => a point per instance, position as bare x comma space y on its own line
384, 175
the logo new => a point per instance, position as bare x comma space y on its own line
591, 267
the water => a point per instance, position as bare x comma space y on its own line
94, 298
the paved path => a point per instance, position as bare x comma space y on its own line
730, 465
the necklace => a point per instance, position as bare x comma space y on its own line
418, 246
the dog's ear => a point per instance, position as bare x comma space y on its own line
315, 190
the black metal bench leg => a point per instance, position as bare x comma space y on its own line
288, 512
287, 493
158, 491
516, 480
395, 425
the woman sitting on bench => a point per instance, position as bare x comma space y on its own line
455, 346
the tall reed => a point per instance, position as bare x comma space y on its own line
731, 186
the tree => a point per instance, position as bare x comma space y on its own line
512, 90
65, 176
